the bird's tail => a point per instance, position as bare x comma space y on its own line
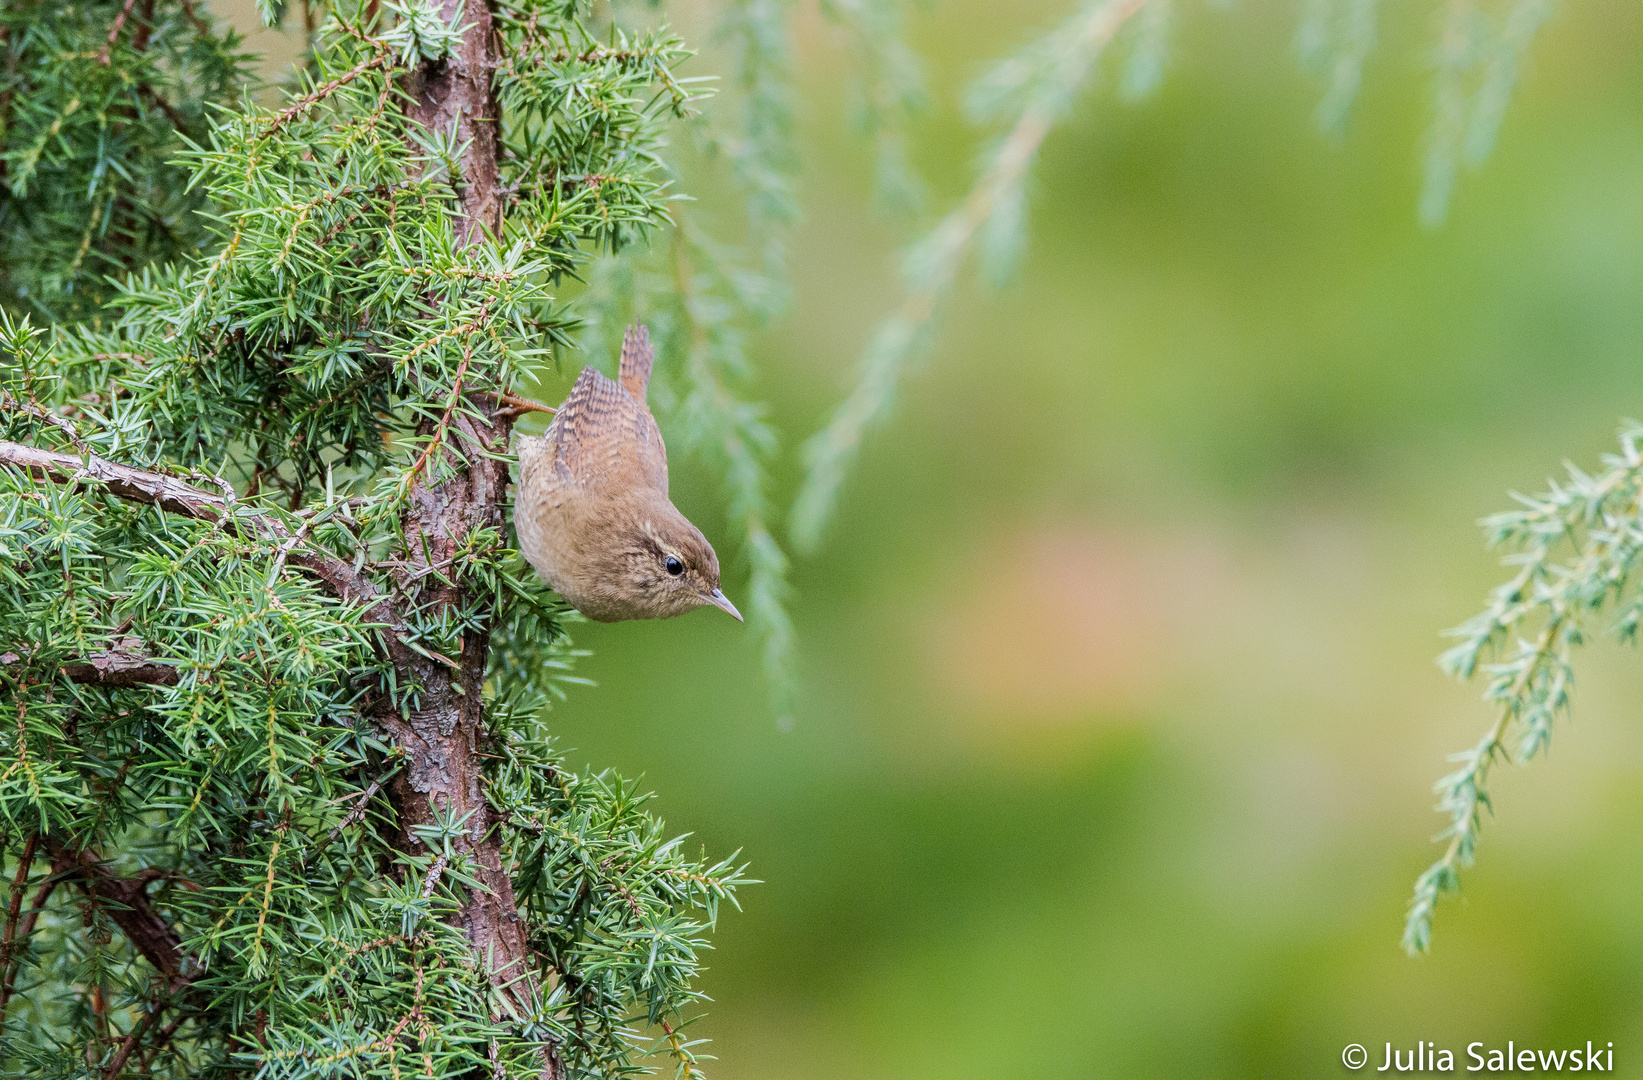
637, 357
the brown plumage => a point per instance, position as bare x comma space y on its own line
592, 510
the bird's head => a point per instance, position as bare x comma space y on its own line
665, 566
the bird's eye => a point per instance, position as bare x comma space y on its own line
674, 566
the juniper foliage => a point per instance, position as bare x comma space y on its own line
279, 798
888, 93
1577, 549
93, 108
1478, 57
1030, 92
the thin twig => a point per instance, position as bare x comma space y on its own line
39, 412
114, 31
286, 549
357, 812
24, 931
165, 106
308, 101
176, 497
160, 1042
194, 17
519, 405
116, 669
145, 26
25, 863
129, 1043
438, 437
119, 665
434, 871
129, 908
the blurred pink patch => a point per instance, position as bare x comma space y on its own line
1070, 620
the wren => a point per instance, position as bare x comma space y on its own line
592, 510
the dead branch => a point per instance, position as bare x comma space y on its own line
178, 497
121, 670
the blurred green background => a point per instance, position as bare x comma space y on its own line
1118, 715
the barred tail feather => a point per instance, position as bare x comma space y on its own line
637, 357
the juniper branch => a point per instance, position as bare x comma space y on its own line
933, 266
177, 497
1595, 520
128, 908
349, 339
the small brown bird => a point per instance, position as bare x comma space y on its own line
592, 510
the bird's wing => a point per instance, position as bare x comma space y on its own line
601, 435
637, 356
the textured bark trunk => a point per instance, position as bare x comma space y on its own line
458, 91
444, 738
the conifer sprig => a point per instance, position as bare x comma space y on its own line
1578, 548
1479, 56
1034, 89
96, 100
888, 94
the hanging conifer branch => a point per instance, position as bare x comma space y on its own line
1578, 548
1041, 84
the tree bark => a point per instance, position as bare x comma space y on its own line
445, 736
458, 91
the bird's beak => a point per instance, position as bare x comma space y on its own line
720, 600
